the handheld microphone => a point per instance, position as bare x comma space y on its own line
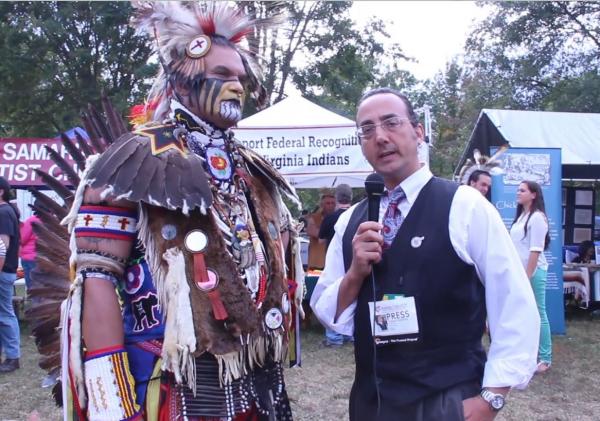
374, 187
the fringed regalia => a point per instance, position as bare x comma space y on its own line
205, 293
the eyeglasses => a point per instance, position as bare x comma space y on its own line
391, 124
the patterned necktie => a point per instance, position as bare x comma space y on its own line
393, 217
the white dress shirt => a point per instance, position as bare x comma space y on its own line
479, 238
535, 240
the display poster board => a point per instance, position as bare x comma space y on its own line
542, 165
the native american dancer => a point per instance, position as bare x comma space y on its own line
479, 164
182, 260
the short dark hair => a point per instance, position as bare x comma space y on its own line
474, 177
5, 187
412, 116
343, 194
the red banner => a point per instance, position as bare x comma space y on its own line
20, 156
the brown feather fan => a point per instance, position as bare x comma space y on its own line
50, 279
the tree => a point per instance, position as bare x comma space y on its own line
56, 57
323, 53
528, 49
347, 60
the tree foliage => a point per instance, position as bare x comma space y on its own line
524, 55
56, 57
324, 54
538, 54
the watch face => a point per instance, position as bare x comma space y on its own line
497, 402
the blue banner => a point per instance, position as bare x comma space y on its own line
542, 165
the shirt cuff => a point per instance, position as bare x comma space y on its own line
325, 309
535, 248
516, 372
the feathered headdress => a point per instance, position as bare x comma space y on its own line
183, 33
479, 162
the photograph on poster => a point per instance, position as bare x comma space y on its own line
584, 198
518, 167
583, 217
581, 234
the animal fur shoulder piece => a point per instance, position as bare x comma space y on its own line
152, 166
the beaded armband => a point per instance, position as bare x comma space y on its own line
106, 222
91, 263
110, 385
103, 222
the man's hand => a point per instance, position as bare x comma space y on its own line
367, 247
477, 409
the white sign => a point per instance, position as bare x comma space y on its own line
311, 157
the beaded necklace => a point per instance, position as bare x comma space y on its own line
227, 172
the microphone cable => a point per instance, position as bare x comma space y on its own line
375, 378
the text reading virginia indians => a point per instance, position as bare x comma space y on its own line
305, 159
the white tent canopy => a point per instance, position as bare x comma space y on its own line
310, 145
576, 134
294, 111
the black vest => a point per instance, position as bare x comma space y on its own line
450, 302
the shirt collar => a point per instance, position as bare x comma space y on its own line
413, 184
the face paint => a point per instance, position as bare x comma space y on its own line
222, 98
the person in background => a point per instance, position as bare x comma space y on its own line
317, 250
343, 199
586, 252
27, 249
9, 248
529, 232
481, 180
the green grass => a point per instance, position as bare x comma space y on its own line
319, 390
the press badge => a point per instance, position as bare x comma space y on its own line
395, 320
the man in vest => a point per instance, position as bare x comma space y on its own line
430, 269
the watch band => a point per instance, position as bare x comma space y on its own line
495, 400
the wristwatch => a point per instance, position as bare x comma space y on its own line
495, 400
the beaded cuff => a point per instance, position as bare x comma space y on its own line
110, 385
106, 222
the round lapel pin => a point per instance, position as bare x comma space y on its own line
416, 242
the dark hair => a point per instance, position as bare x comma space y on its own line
16, 209
474, 177
582, 251
5, 187
412, 116
536, 205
